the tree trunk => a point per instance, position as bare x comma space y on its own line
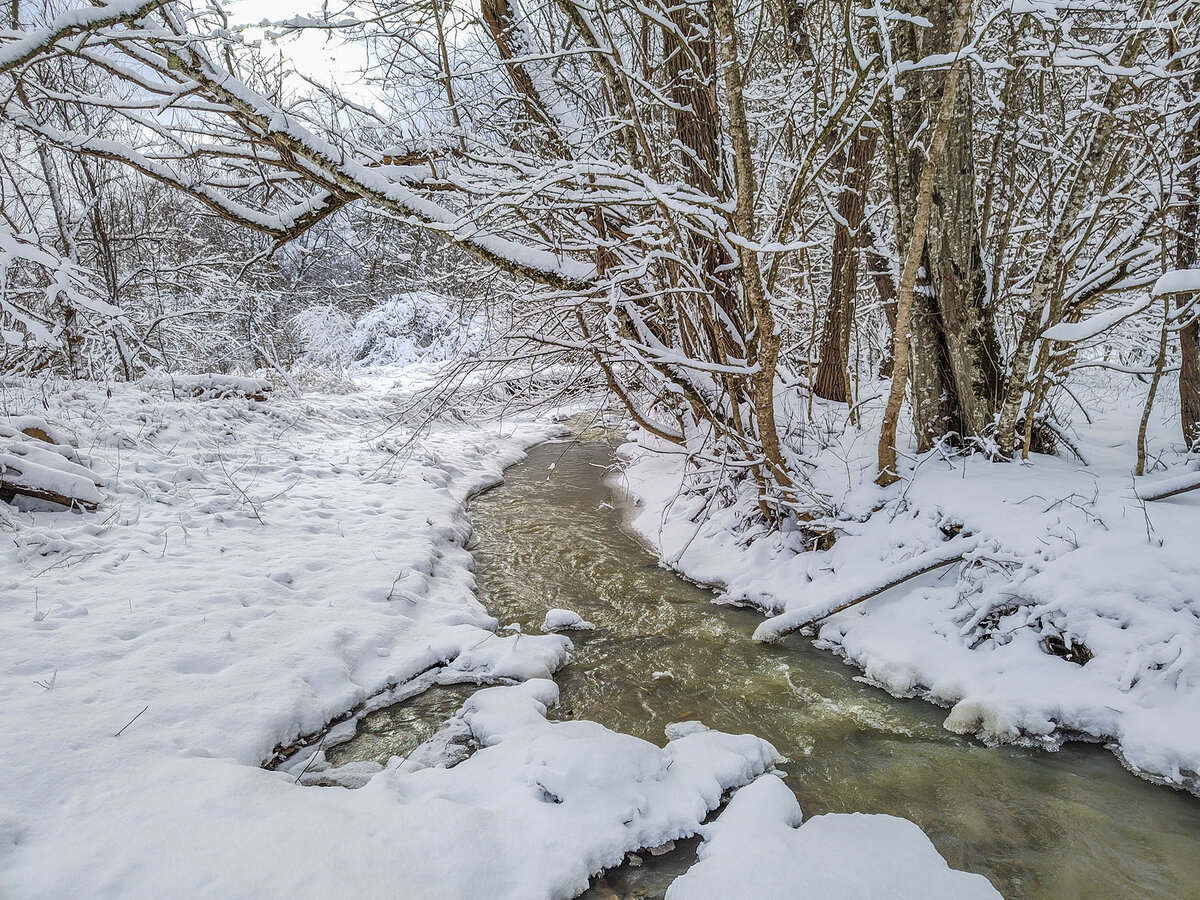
764, 347
848, 239
921, 207
690, 61
1186, 257
882, 269
955, 353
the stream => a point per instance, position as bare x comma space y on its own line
1044, 826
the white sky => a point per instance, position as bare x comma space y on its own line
318, 55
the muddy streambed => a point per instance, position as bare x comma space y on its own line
1072, 824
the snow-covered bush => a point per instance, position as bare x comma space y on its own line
324, 332
412, 327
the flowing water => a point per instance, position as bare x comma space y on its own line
1072, 824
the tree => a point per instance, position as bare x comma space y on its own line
683, 188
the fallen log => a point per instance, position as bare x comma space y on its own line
31, 467
795, 618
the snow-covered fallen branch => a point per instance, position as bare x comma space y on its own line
1169, 487
801, 617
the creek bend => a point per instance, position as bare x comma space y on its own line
1044, 826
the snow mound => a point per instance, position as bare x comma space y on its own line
565, 620
758, 848
210, 386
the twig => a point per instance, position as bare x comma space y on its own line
312, 758
131, 721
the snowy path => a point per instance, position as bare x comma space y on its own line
254, 571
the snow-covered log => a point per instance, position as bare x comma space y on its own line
1169, 487
799, 617
32, 465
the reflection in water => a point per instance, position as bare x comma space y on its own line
1071, 824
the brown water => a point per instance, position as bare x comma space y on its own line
1050, 826
1072, 824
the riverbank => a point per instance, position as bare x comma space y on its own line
1040, 826
1069, 611
255, 570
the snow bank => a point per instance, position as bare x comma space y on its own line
258, 570
758, 848
532, 814
1073, 612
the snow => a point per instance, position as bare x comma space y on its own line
68, 23
256, 571
1064, 560
25, 466
1177, 281
416, 326
211, 385
759, 848
1162, 488
1098, 323
531, 814
565, 620
800, 613
37, 460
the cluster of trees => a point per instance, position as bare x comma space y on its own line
708, 200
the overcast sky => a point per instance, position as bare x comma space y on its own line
320, 56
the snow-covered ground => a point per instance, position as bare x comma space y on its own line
1075, 609
256, 570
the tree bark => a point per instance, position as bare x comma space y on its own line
955, 352
915, 253
831, 381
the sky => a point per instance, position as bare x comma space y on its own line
321, 56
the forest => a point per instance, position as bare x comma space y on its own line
414, 411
